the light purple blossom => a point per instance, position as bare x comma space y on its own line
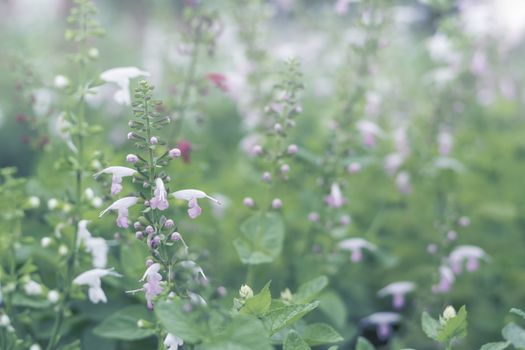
369, 132
384, 321
118, 173
160, 201
397, 290
121, 206
152, 287
446, 280
191, 196
356, 246
445, 143
335, 199
469, 253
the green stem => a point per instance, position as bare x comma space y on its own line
192, 69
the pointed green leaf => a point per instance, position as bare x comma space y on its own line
176, 321
364, 344
320, 333
501, 345
123, 324
259, 303
430, 325
293, 341
284, 316
309, 290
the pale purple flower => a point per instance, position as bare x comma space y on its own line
160, 201
432, 248
356, 246
469, 253
266, 176
397, 290
403, 183
452, 235
118, 173
191, 196
445, 143
174, 153
345, 220
384, 321
335, 199
464, 221
248, 202
121, 206
369, 132
154, 140
393, 162
285, 169
152, 287
446, 279
92, 278
257, 150
172, 342
353, 168
169, 224
121, 77
132, 158
292, 149
313, 217
277, 203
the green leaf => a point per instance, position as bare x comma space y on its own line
364, 344
309, 290
293, 341
514, 334
176, 321
333, 307
259, 303
518, 312
320, 333
262, 239
132, 259
496, 346
430, 325
242, 332
75, 345
33, 302
456, 327
284, 316
123, 324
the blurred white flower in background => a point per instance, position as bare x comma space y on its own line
121, 77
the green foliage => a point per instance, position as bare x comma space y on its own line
284, 316
363, 344
261, 240
319, 334
293, 341
515, 335
447, 329
123, 324
259, 304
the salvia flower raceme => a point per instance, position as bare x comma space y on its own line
397, 290
335, 199
356, 246
118, 173
121, 76
92, 279
384, 323
160, 201
191, 196
121, 206
469, 253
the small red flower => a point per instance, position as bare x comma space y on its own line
185, 149
219, 80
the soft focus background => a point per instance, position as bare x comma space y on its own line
442, 73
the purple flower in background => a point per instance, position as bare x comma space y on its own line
152, 287
469, 253
397, 290
335, 199
384, 322
356, 246
446, 279
369, 132
445, 143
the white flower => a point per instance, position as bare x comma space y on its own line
33, 288
52, 203
34, 202
172, 342
96, 202
118, 173
92, 278
191, 196
121, 206
4, 321
121, 76
35, 347
89, 193
62, 250
97, 246
82, 232
335, 199
45, 242
53, 296
61, 81
355, 245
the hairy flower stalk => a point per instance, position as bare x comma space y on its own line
84, 27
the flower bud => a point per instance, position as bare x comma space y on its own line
53, 296
132, 158
313, 217
169, 223
52, 203
34, 202
266, 176
150, 229
464, 221
245, 292
175, 236
45, 242
174, 153
257, 150
153, 140
353, 168
93, 53
449, 313
277, 203
278, 127
4, 321
137, 225
452, 235
345, 220
62, 250
285, 168
89, 193
139, 235
130, 136
248, 202
61, 81
292, 149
